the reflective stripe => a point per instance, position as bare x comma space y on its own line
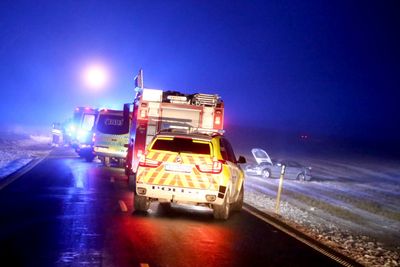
195, 179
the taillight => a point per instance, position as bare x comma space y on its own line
215, 167
145, 162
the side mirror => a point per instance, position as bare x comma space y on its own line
241, 160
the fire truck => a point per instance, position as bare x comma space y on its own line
81, 130
154, 110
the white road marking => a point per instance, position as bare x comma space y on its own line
21, 172
304, 241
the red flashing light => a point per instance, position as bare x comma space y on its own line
143, 113
218, 119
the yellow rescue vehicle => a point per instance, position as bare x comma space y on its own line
190, 168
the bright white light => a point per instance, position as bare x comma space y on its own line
96, 76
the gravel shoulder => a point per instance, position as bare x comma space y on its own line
350, 205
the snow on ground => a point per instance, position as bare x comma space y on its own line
18, 149
352, 203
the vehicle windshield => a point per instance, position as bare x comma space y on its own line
260, 154
112, 124
88, 122
182, 145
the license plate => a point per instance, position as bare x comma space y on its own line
178, 167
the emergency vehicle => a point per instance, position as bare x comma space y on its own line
111, 137
154, 110
57, 135
190, 168
81, 131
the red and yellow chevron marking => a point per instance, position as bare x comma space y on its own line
195, 179
186, 158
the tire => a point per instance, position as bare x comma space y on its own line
141, 203
132, 182
237, 206
266, 173
221, 212
301, 177
89, 158
165, 206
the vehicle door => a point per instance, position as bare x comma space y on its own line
228, 155
292, 169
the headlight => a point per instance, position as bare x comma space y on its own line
82, 135
71, 128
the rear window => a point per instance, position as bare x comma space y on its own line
88, 122
112, 124
182, 145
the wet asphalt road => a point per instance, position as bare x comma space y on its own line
66, 212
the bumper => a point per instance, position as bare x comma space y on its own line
179, 195
109, 153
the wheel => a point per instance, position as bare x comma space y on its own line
141, 203
301, 177
237, 206
221, 212
132, 182
89, 158
266, 173
165, 206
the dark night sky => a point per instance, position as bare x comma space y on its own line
309, 66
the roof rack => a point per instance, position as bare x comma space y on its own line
192, 130
205, 100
